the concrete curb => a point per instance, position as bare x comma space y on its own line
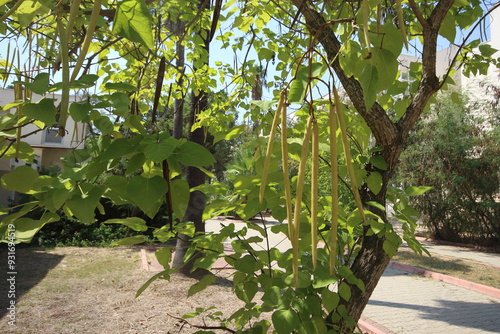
484, 289
371, 327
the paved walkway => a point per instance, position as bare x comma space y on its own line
412, 304
462, 253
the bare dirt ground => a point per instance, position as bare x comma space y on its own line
92, 290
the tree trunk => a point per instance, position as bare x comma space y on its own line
177, 132
372, 260
194, 177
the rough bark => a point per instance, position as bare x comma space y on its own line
372, 260
196, 205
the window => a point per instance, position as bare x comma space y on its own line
52, 136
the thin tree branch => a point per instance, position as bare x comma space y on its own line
418, 14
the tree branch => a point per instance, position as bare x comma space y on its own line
429, 84
384, 130
418, 14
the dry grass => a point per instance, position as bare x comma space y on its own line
92, 290
455, 267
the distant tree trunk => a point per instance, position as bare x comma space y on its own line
195, 177
177, 131
196, 205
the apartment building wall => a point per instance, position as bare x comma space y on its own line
48, 147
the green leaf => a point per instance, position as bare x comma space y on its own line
44, 110
147, 193
84, 202
202, 284
379, 162
207, 261
369, 80
345, 291
162, 274
264, 105
28, 10
416, 191
119, 101
26, 228
246, 264
136, 239
159, 151
118, 148
135, 122
135, 223
40, 84
20, 179
163, 255
330, 299
246, 291
285, 321
60, 196
315, 325
85, 81
387, 63
374, 182
180, 196
486, 50
25, 152
322, 277
80, 111
193, 154
376, 205
104, 125
133, 21
120, 86
300, 84
448, 28
272, 296
135, 163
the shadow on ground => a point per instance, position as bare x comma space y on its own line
31, 266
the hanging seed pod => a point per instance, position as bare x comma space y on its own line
365, 9
267, 161
401, 20
347, 154
335, 188
18, 96
314, 191
88, 37
298, 198
286, 173
64, 104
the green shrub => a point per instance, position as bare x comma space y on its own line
456, 150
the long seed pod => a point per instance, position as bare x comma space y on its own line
314, 192
364, 7
335, 188
347, 153
73, 13
88, 38
267, 161
286, 173
401, 20
11, 10
18, 96
298, 198
64, 104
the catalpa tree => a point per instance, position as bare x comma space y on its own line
339, 111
